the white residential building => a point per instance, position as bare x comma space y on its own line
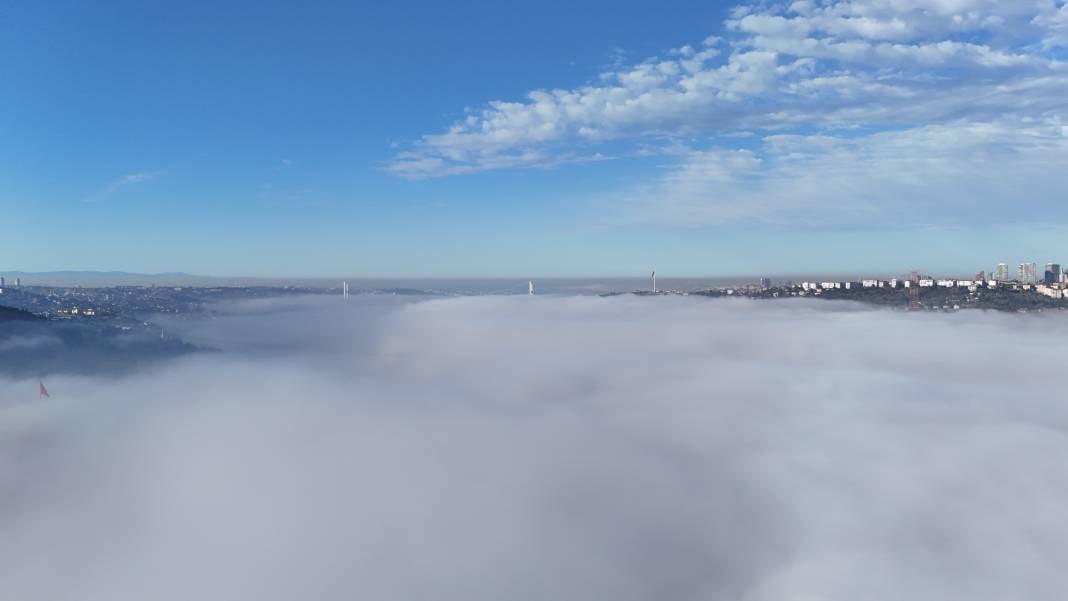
1049, 291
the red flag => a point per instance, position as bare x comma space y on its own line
44, 391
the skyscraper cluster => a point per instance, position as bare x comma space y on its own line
1027, 273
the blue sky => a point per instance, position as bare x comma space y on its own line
562, 139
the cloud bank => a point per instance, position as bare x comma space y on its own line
565, 448
920, 89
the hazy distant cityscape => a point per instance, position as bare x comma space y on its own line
129, 306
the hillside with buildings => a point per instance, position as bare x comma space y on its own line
920, 292
13, 314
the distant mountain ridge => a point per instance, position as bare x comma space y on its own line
92, 278
92, 273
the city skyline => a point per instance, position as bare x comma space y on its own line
711, 139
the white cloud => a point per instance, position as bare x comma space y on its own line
893, 20
1054, 20
551, 448
122, 182
964, 172
896, 64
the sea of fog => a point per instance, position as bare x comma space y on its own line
546, 447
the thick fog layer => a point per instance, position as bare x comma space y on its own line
522, 448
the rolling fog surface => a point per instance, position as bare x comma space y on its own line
529, 448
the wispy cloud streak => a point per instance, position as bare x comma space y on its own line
128, 180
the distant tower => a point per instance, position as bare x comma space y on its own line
1, 281
18, 282
530, 287
654, 282
345, 290
913, 291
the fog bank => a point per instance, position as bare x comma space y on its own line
530, 448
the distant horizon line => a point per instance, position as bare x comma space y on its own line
97, 274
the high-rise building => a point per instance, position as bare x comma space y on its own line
1026, 272
1053, 273
1001, 272
765, 283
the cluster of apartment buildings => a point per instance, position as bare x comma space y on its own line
1053, 284
922, 282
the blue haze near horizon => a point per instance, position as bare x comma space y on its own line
333, 139
429, 286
